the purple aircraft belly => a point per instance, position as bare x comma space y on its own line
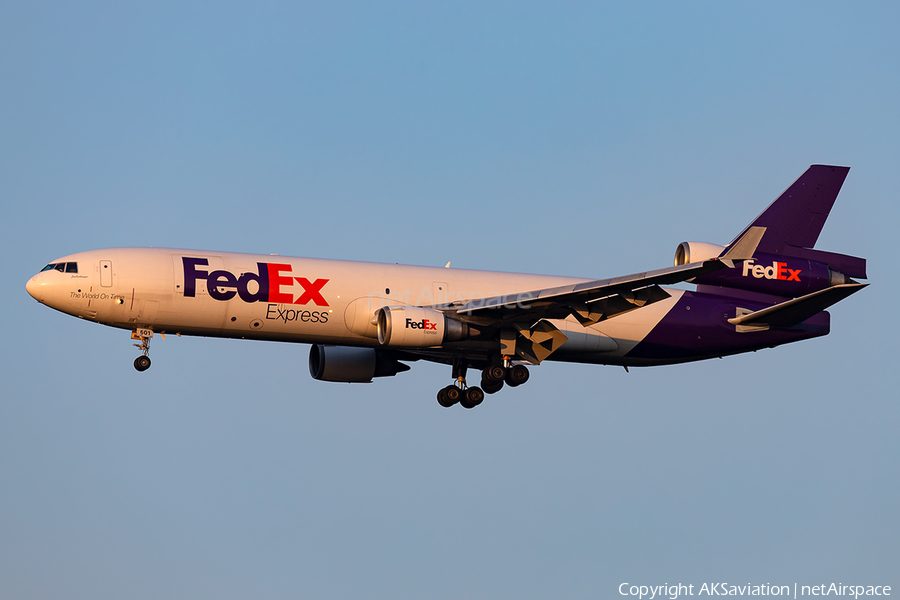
697, 328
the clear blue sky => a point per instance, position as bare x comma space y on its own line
575, 138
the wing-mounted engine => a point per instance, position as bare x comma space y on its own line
345, 364
417, 327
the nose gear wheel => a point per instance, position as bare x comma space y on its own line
142, 362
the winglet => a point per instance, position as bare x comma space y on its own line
744, 247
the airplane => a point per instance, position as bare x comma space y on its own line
767, 287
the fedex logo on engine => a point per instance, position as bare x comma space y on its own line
425, 324
777, 270
269, 285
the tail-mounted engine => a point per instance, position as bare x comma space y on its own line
691, 252
415, 326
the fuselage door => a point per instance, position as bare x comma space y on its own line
106, 274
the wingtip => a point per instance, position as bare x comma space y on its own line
745, 246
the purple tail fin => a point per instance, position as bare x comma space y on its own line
794, 221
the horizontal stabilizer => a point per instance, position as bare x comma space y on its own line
797, 310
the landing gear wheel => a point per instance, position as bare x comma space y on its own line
493, 374
142, 363
491, 387
517, 375
448, 396
472, 398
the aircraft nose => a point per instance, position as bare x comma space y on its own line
35, 287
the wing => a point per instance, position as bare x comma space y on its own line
521, 319
590, 302
593, 301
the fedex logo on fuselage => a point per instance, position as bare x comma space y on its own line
425, 324
777, 270
270, 285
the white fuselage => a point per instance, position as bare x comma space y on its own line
280, 298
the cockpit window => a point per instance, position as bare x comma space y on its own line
71, 267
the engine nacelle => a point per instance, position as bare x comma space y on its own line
691, 252
415, 326
346, 364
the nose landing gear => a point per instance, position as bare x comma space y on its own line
142, 362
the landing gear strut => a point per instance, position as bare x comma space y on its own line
142, 362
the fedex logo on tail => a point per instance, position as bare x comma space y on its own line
268, 285
777, 270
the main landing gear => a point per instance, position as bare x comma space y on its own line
492, 380
493, 377
142, 362
468, 397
